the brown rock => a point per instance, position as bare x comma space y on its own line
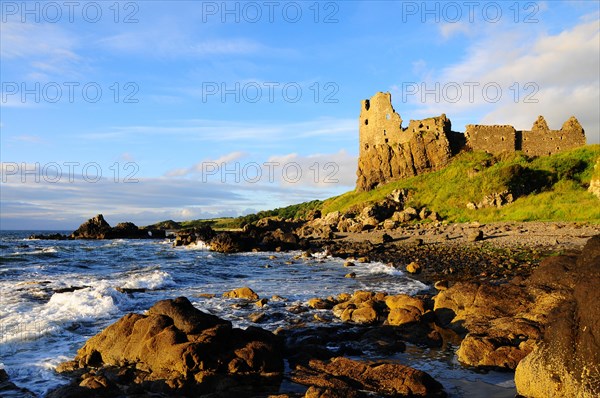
565, 363
388, 379
224, 243
441, 285
475, 236
94, 228
178, 347
364, 315
414, 268
242, 293
404, 309
320, 304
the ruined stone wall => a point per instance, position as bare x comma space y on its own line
541, 141
492, 139
390, 152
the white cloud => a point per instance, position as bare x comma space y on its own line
290, 171
561, 70
38, 202
201, 166
206, 130
447, 30
48, 49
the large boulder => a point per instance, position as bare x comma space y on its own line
565, 362
500, 322
404, 309
176, 349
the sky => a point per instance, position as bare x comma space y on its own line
153, 110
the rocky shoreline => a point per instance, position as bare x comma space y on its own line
544, 327
512, 296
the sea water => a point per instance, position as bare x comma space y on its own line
54, 295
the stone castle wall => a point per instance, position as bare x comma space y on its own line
390, 152
493, 139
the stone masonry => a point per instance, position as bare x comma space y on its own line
391, 152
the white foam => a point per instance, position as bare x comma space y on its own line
322, 255
198, 245
154, 280
380, 268
27, 321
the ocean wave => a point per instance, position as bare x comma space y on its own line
380, 268
26, 322
154, 280
199, 245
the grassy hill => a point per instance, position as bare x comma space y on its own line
552, 188
548, 188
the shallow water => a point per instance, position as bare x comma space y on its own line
43, 320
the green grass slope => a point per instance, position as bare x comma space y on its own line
548, 188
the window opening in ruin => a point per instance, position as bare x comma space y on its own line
387, 116
366, 122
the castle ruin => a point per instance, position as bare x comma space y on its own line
391, 152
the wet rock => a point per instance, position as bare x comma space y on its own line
242, 293
262, 302
385, 379
404, 309
350, 275
364, 315
224, 243
9, 389
257, 317
414, 268
323, 392
321, 304
441, 285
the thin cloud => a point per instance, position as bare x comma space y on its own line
220, 130
551, 75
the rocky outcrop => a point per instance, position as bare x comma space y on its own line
352, 377
176, 349
502, 324
98, 228
94, 228
265, 234
8, 389
565, 362
389, 152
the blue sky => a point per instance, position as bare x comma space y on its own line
131, 109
